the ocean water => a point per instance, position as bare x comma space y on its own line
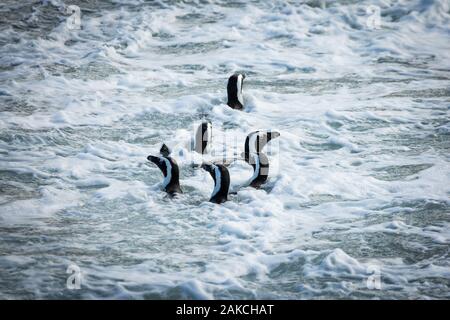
357, 203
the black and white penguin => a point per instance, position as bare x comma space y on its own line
221, 178
256, 141
203, 137
234, 91
260, 164
170, 170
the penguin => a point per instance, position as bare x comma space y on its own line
164, 151
170, 170
260, 164
203, 137
221, 178
256, 141
234, 91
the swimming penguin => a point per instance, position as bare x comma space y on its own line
234, 91
221, 178
170, 170
260, 164
203, 137
256, 141
164, 151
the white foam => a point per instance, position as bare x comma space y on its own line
363, 121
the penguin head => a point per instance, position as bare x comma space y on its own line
272, 134
256, 141
234, 91
208, 167
159, 161
264, 137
